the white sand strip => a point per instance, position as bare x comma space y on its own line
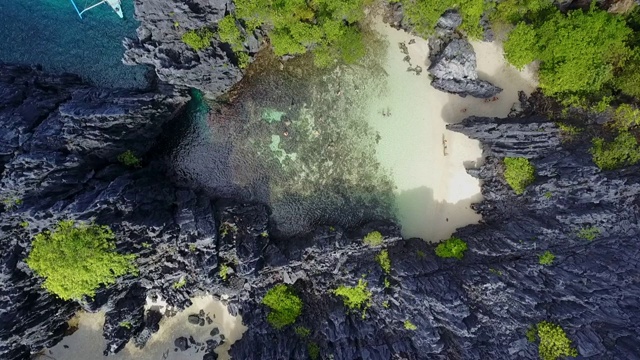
434, 192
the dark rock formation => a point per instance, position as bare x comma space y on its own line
58, 155
160, 44
453, 61
454, 70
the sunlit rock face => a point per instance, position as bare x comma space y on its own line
160, 44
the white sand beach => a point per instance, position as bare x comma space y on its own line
87, 342
434, 192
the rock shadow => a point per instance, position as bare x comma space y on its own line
422, 216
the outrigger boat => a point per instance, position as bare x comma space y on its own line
115, 5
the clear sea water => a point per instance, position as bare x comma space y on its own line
50, 33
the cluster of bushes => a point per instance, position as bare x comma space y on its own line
554, 342
284, 304
229, 33
198, 39
355, 297
329, 28
452, 248
76, 259
424, 14
585, 57
623, 150
518, 173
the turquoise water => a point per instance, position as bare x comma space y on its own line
50, 33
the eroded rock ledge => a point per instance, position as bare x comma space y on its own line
59, 144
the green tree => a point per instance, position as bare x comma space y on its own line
76, 259
546, 258
452, 248
198, 39
384, 261
554, 342
519, 173
355, 297
285, 306
327, 27
128, 158
622, 151
373, 238
424, 14
579, 52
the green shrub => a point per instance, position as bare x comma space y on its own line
180, 283
126, 324
626, 117
76, 259
284, 304
532, 334
424, 14
329, 27
356, 297
383, 260
373, 238
128, 158
229, 33
303, 331
518, 173
314, 351
452, 248
546, 258
409, 325
589, 233
577, 62
515, 11
554, 342
198, 39
224, 272
622, 151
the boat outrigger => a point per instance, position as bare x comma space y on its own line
115, 5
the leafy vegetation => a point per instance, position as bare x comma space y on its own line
626, 117
76, 259
314, 351
328, 27
452, 248
284, 304
383, 260
180, 283
303, 331
589, 233
126, 324
532, 334
128, 158
580, 53
554, 342
518, 173
230, 33
355, 297
622, 151
409, 325
373, 238
198, 39
424, 14
224, 272
546, 258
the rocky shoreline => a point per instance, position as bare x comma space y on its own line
59, 155
60, 140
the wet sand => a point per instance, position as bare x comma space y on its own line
87, 342
434, 192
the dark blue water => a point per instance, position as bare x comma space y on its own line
50, 33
